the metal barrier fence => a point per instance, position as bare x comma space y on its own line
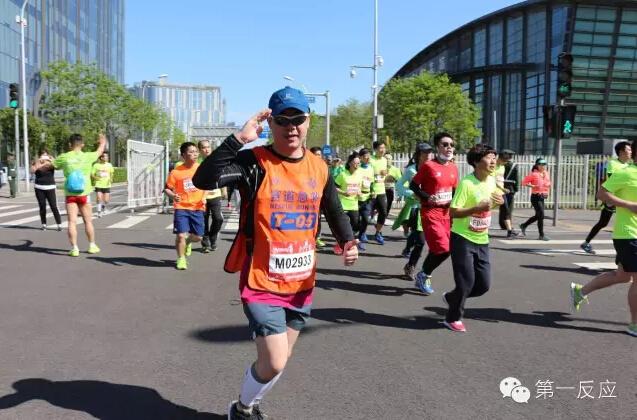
582, 175
146, 171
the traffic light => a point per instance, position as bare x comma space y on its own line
567, 120
13, 95
564, 75
550, 119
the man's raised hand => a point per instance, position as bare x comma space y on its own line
252, 128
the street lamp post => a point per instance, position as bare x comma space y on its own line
23, 24
327, 105
378, 62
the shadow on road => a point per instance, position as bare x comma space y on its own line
28, 246
237, 333
578, 270
102, 400
358, 316
535, 319
372, 289
135, 261
145, 245
347, 272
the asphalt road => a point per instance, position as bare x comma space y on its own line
123, 335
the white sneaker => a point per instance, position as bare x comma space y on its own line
44, 227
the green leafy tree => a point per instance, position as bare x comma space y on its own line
417, 107
87, 101
316, 132
38, 132
351, 126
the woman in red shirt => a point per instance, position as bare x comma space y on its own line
540, 184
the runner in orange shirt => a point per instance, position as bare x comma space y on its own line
189, 202
540, 184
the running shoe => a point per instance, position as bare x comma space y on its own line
235, 414
456, 326
544, 238
379, 238
361, 246
182, 264
59, 228
320, 243
513, 234
522, 230
99, 214
188, 249
406, 253
43, 227
213, 247
93, 249
577, 297
632, 330
74, 252
363, 238
338, 250
205, 249
410, 272
423, 283
588, 248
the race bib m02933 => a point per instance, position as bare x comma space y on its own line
291, 261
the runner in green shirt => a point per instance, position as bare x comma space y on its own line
102, 176
471, 208
624, 152
77, 165
364, 200
379, 196
348, 184
620, 191
393, 175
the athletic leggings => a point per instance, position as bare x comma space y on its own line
213, 209
537, 201
364, 211
389, 193
353, 219
506, 209
433, 261
47, 195
604, 218
417, 238
379, 204
471, 273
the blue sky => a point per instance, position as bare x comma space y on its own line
246, 47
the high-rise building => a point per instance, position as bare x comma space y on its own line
505, 61
187, 105
88, 31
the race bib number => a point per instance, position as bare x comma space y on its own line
103, 174
480, 222
442, 197
353, 188
291, 261
188, 185
367, 183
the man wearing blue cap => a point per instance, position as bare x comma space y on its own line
283, 189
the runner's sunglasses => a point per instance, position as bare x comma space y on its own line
295, 120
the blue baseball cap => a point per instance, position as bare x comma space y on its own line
286, 98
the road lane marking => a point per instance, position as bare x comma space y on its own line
130, 221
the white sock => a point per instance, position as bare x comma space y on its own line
90, 244
252, 390
75, 247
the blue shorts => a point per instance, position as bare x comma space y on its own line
267, 319
188, 221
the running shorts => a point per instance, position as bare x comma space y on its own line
103, 190
626, 254
80, 200
437, 235
188, 221
265, 319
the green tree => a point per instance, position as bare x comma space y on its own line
316, 132
417, 107
87, 101
38, 132
351, 126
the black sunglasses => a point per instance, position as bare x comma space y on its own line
295, 120
447, 144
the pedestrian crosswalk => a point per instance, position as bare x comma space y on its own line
26, 214
555, 248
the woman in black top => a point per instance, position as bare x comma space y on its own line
45, 188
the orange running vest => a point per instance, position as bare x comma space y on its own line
286, 218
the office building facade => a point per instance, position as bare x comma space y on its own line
187, 105
505, 62
87, 31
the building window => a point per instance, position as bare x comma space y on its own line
511, 138
479, 47
536, 38
514, 40
495, 43
465, 51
